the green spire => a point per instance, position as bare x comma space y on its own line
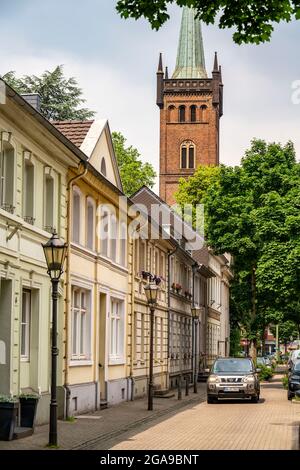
190, 56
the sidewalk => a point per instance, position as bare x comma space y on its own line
102, 425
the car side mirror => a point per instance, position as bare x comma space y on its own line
207, 370
258, 371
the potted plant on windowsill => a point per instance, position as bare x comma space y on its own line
8, 412
173, 287
178, 288
157, 280
29, 403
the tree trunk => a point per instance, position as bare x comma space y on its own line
253, 343
253, 349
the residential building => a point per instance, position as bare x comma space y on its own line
34, 164
187, 287
98, 271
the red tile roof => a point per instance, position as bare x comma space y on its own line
75, 131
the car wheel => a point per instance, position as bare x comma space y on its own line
255, 399
289, 395
211, 400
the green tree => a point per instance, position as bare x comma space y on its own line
252, 212
60, 96
134, 173
253, 20
287, 332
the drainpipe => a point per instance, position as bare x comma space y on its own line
170, 253
194, 270
68, 286
131, 377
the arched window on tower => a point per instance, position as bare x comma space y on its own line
183, 162
193, 110
203, 113
191, 157
171, 113
187, 155
182, 113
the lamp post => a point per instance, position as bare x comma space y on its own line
195, 315
151, 291
55, 253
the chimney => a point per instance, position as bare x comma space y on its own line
33, 99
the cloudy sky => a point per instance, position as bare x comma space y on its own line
115, 63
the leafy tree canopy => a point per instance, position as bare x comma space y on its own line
253, 20
134, 173
252, 212
61, 97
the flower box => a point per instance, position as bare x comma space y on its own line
8, 415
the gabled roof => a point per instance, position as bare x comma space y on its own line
86, 135
75, 131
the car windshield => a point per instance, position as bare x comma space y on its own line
232, 365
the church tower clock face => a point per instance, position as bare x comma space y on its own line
191, 104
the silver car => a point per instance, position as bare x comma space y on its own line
233, 378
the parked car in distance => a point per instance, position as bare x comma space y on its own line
293, 380
294, 356
232, 377
263, 361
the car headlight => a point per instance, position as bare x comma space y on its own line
213, 379
249, 379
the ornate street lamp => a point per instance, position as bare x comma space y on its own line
151, 291
55, 252
195, 316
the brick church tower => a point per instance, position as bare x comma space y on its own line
191, 105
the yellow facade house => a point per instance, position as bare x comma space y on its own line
98, 276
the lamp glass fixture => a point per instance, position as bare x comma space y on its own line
55, 252
195, 312
151, 291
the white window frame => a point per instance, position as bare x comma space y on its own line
90, 230
82, 350
76, 192
117, 331
26, 304
113, 230
49, 225
26, 188
123, 244
6, 139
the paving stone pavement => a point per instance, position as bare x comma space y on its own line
271, 424
97, 428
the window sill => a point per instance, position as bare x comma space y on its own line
116, 361
24, 359
81, 362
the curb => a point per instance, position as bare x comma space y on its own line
104, 437
296, 437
